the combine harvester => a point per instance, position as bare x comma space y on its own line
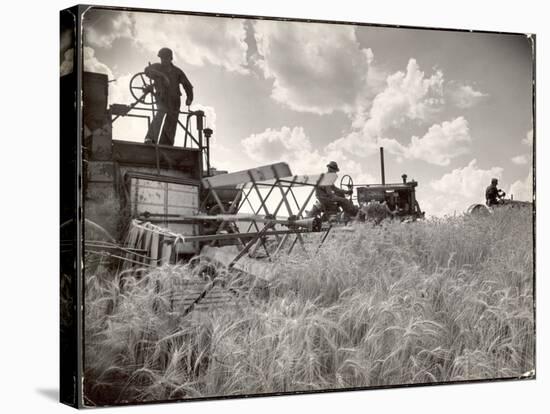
156, 204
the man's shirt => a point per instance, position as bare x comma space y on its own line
491, 193
328, 193
167, 80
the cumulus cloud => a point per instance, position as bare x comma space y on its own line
119, 92
528, 140
438, 146
520, 159
441, 143
68, 62
285, 144
315, 68
457, 190
196, 40
464, 96
101, 27
210, 114
409, 95
66, 40
466, 181
92, 64
66, 51
523, 189
293, 146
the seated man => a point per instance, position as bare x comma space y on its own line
493, 194
330, 196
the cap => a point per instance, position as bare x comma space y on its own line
333, 165
165, 52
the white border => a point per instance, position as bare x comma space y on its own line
29, 162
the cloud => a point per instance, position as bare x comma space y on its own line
293, 146
315, 68
464, 96
523, 189
92, 64
408, 95
119, 92
228, 159
528, 140
66, 52
210, 113
457, 190
285, 144
520, 159
66, 40
196, 40
68, 62
441, 143
466, 181
101, 28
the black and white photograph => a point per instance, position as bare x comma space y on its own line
279, 205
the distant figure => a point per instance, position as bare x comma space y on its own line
167, 79
330, 196
493, 194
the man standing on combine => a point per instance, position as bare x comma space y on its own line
167, 79
493, 194
331, 195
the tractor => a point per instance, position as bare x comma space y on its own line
375, 201
503, 202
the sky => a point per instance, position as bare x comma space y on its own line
451, 109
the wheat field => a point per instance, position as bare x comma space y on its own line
432, 301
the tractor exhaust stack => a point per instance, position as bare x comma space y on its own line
382, 172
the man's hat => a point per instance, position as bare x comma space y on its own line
494, 181
165, 52
333, 165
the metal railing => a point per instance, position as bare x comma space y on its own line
199, 138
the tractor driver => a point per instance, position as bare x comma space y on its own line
331, 195
167, 79
493, 194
